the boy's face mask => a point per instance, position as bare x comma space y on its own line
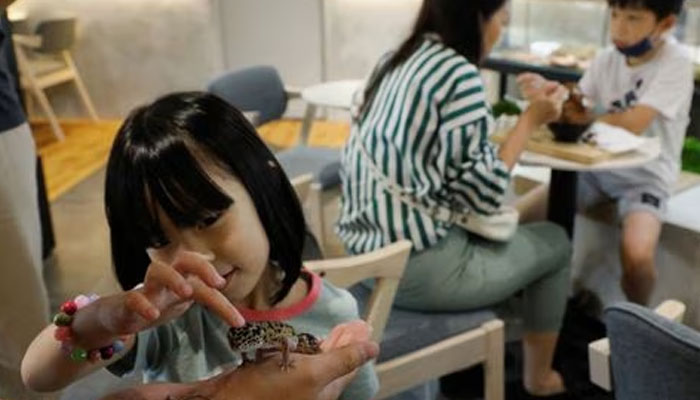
638, 49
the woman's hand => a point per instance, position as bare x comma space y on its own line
167, 292
533, 85
546, 106
316, 377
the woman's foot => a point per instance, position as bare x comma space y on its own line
549, 384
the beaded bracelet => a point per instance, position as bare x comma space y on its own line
64, 333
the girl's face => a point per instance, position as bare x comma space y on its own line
493, 28
234, 241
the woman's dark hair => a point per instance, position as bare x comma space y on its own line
459, 23
157, 159
660, 8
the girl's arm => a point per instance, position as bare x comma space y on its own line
168, 291
46, 367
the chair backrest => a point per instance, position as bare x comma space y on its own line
652, 357
385, 266
56, 34
253, 89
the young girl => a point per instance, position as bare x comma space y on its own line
201, 213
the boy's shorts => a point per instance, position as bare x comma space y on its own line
600, 187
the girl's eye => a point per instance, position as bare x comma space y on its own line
159, 243
208, 221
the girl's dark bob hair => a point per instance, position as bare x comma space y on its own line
159, 157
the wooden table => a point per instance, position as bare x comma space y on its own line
560, 157
563, 185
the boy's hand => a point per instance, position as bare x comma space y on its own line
167, 292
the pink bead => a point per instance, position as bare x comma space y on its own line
81, 301
94, 355
63, 333
69, 307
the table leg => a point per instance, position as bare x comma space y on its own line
562, 199
306, 124
502, 85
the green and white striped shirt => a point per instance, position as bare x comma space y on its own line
427, 131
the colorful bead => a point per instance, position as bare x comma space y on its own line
69, 307
62, 319
66, 347
81, 301
118, 346
107, 352
63, 334
79, 355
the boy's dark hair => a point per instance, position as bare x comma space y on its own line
157, 159
460, 25
660, 8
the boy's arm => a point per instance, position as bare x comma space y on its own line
668, 92
636, 119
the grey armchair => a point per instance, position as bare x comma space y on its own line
652, 356
260, 89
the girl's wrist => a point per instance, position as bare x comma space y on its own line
88, 330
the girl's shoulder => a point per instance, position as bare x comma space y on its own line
333, 303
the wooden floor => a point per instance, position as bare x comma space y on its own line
84, 151
87, 144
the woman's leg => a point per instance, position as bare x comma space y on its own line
463, 272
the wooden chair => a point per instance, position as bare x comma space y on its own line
309, 193
44, 60
415, 347
385, 266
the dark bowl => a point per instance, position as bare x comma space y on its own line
566, 132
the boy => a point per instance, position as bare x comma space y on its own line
643, 84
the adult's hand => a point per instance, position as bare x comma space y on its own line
320, 377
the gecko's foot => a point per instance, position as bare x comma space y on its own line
286, 366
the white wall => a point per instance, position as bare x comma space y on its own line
358, 32
282, 33
130, 51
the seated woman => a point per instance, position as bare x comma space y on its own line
419, 145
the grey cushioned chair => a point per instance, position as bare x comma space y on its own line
652, 357
260, 89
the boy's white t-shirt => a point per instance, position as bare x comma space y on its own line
664, 83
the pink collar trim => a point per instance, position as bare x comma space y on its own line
283, 314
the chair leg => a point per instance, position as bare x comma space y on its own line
494, 364
315, 217
28, 102
307, 123
82, 91
46, 106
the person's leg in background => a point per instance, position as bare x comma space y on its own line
641, 227
24, 305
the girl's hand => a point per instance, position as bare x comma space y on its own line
167, 292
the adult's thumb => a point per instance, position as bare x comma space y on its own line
344, 360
